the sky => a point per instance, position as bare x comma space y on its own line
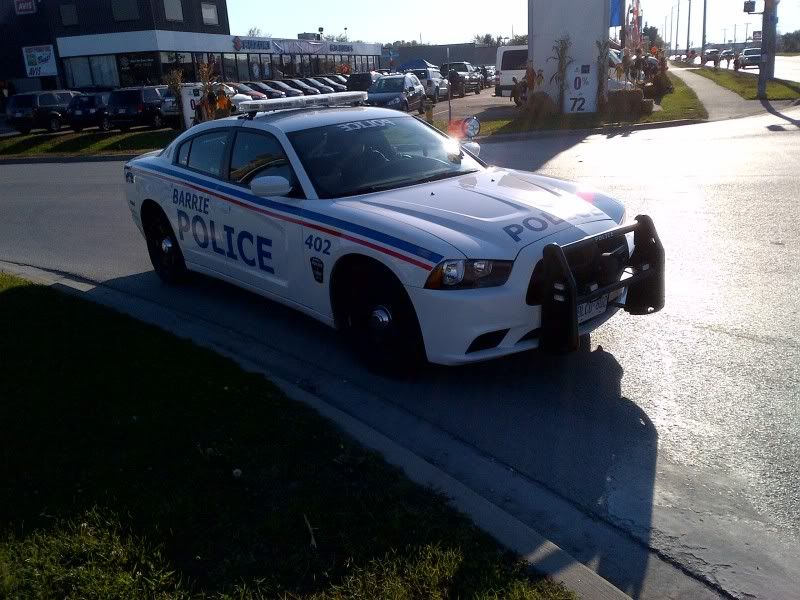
444, 22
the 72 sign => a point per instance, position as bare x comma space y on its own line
582, 93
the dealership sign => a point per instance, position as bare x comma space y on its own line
40, 61
25, 7
240, 44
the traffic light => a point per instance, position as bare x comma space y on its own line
750, 6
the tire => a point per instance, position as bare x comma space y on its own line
462, 91
421, 108
24, 130
158, 122
105, 124
162, 246
379, 321
53, 124
478, 90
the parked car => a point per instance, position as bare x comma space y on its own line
235, 96
401, 92
338, 78
283, 87
268, 91
726, 55
324, 89
308, 90
337, 87
129, 107
248, 91
711, 55
35, 110
361, 82
511, 61
751, 57
462, 77
170, 110
435, 85
89, 110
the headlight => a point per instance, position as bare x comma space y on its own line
462, 274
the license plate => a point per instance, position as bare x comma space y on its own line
590, 310
17, 114
122, 111
78, 112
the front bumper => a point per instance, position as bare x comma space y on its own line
464, 326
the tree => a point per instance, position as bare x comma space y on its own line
651, 32
789, 42
335, 38
488, 39
255, 32
519, 40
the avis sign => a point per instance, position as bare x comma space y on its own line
25, 7
40, 61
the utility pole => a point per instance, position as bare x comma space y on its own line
671, 24
689, 29
766, 70
734, 34
746, 27
664, 31
724, 35
703, 47
677, 26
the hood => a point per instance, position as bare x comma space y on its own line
382, 97
490, 214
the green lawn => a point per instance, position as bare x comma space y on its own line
85, 143
682, 103
137, 465
787, 54
746, 84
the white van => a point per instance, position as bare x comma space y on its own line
511, 62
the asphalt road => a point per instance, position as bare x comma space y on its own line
677, 436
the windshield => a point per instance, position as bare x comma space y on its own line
121, 97
460, 67
371, 155
752, 51
21, 102
387, 84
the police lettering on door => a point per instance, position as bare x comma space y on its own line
252, 250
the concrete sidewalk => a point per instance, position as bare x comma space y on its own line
722, 103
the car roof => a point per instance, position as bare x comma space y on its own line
307, 118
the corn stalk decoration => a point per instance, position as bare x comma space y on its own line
602, 69
563, 61
205, 72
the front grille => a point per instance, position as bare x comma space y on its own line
593, 265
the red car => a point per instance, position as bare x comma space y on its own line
248, 91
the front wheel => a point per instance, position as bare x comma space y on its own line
462, 91
478, 90
54, 125
158, 122
162, 246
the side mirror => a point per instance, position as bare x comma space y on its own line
270, 185
473, 148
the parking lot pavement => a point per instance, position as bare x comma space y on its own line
486, 106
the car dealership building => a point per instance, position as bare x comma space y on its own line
84, 44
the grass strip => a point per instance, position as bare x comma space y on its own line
746, 84
138, 465
85, 143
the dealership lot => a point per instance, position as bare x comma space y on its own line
639, 443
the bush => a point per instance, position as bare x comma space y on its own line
625, 104
540, 106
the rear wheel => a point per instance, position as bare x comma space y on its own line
462, 90
53, 124
158, 122
379, 319
421, 108
105, 124
162, 246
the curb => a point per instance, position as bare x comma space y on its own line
22, 160
621, 128
542, 556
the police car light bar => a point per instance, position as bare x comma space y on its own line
337, 99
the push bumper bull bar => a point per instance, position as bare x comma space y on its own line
643, 276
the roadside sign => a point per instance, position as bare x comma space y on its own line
750, 6
581, 89
756, 37
40, 61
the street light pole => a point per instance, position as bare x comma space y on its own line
677, 25
746, 27
734, 34
671, 28
703, 47
689, 29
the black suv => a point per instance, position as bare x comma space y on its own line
361, 82
463, 78
34, 110
128, 107
89, 110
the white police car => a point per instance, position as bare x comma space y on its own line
374, 222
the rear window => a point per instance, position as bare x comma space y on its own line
21, 101
125, 97
421, 73
461, 67
514, 60
82, 101
752, 52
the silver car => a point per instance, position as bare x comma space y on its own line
436, 87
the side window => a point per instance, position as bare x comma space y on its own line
183, 153
207, 152
151, 95
256, 154
47, 100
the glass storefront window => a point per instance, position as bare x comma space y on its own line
229, 67
78, 72
215, 60
296, 60
316, 65
104, 71
141, 68
266, 66
370, 63
178, 60
254, 64
242, 68
306, 68
287, 66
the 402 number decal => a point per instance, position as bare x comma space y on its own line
318, 244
